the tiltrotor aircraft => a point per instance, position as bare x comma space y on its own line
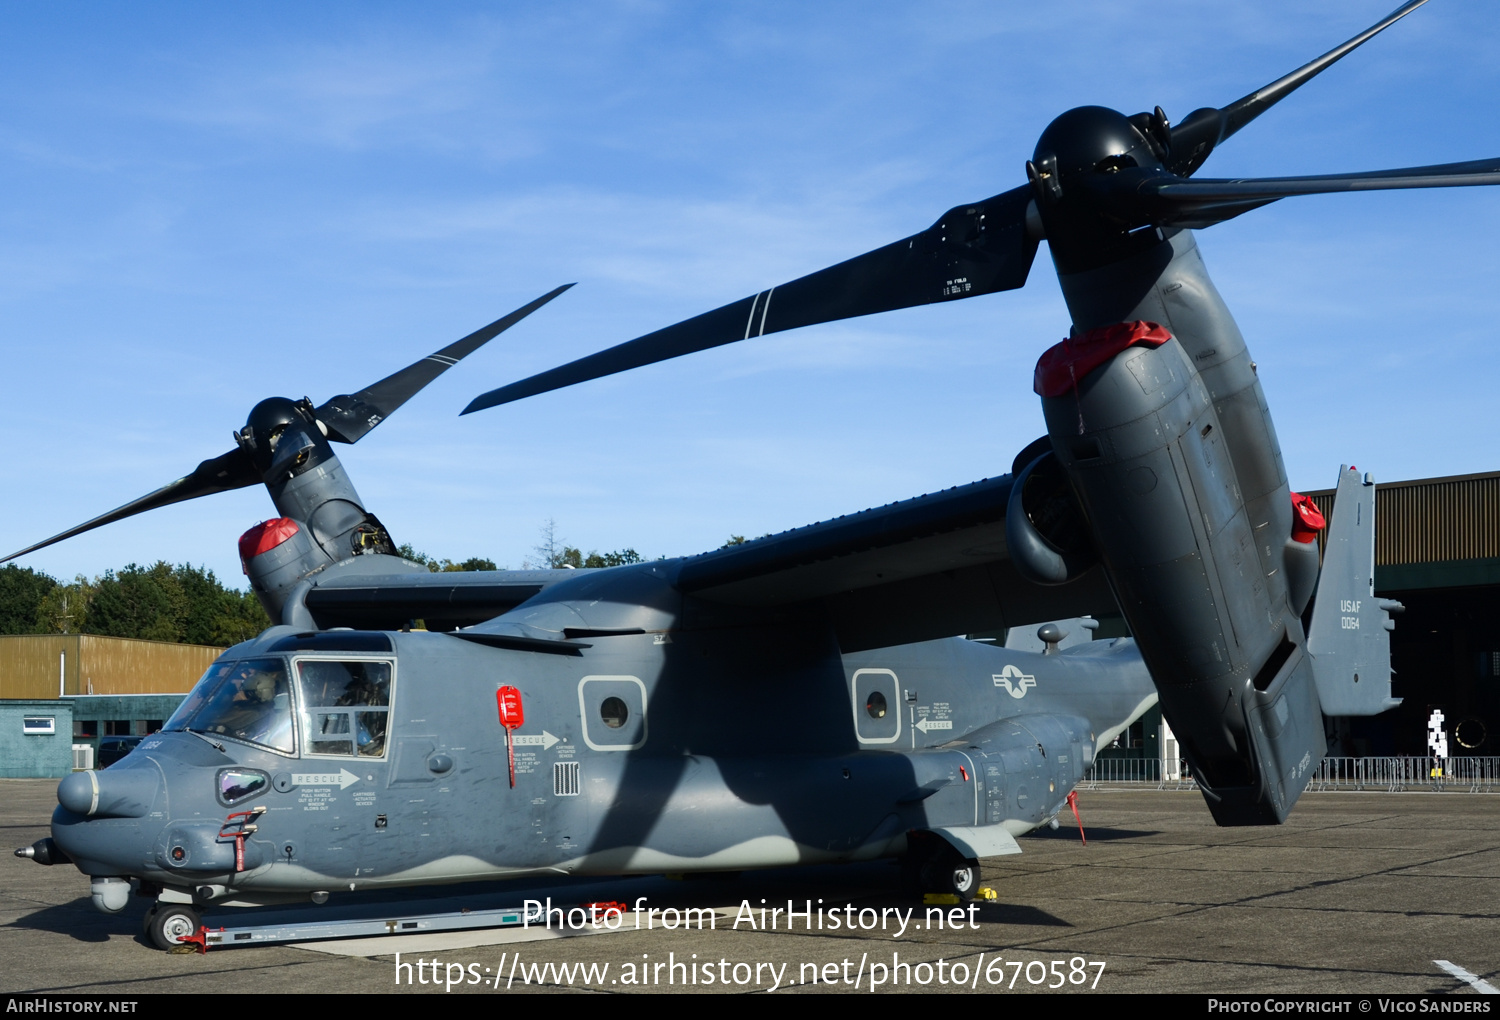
797, 698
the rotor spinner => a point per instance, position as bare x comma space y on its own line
1075, 156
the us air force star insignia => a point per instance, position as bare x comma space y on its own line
1015, 682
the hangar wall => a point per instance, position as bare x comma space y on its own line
59, 665
1437, 551
61, 691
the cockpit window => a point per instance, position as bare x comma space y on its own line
248, 699
345, 706
237, 784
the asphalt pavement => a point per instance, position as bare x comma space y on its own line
1358, 893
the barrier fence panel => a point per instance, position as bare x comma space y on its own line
1393, 775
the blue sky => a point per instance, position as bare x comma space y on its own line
203, 205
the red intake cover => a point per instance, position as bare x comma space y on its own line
264, 537
1307, 519
1061, 367
512, 714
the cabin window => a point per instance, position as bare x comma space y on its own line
614, 713
877, 706
248, 699
345, 706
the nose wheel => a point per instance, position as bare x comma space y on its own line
168, 924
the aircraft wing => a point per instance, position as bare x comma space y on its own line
923, 568
443, 600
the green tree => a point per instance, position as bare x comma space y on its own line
571, 556
21, 593
65, 609
203, 603
217, 615
240, 618
161, 603
618, 558
139, 602
438, 566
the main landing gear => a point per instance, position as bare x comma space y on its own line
932, 865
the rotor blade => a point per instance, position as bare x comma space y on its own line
233, 470
1202, 130
1147, 196
973, 249
349, 416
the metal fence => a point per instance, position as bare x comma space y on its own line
1162, 773
1393, 775
1476, 775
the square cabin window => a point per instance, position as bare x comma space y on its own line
345, 706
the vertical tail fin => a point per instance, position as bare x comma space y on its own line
1349, 638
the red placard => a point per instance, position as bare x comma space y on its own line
512, 715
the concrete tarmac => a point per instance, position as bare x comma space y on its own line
1358, 893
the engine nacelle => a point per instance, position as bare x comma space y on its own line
1046, 535
1143, 445
323, 520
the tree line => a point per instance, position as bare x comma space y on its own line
190, 605
160, 603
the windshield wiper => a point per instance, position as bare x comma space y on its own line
211, 741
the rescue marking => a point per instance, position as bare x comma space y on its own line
341, 778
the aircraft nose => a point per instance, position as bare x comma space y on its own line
103, 823
116, 793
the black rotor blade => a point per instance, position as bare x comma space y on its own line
349, 416
1163, 199
1202, 130
233, 470
973, 249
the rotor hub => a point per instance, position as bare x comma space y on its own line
1093, 140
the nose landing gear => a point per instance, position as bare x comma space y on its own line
170, 925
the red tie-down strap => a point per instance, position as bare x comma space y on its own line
1073, 803
1062, 366
1307, 519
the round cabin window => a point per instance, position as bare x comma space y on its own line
614, 713
876, 705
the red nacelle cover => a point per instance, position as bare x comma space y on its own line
1062, 366
264, 537
1307, 519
